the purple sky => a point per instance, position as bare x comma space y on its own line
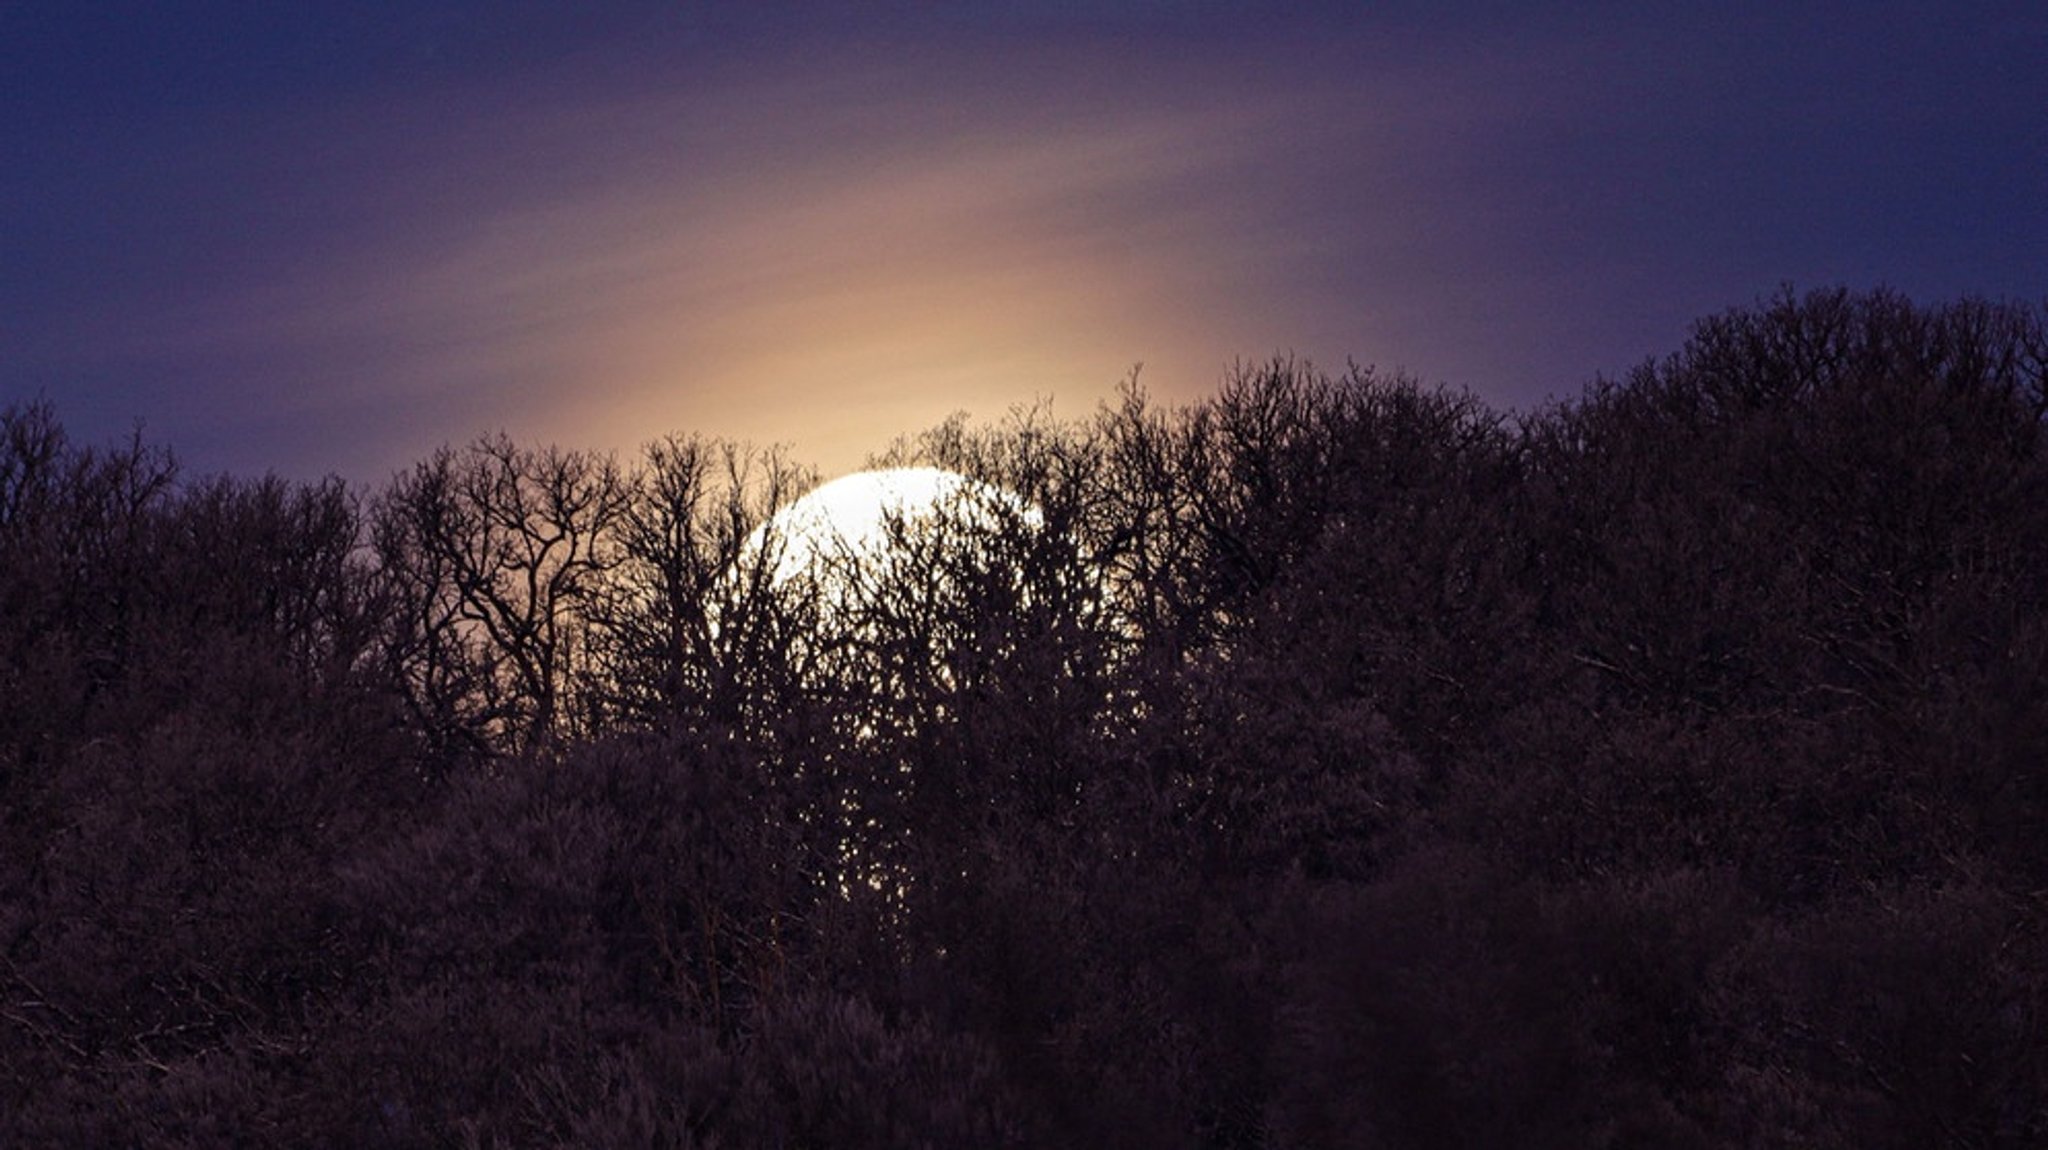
304, 239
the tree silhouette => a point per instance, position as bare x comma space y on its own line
496, 554
1327, 762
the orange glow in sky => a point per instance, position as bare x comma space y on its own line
329, 242
828, 262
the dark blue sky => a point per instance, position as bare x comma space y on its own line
326, 238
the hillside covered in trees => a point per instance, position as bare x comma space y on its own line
1334, 762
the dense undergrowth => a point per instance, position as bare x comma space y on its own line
1334, 762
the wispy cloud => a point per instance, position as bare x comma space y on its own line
832, 261
842, 235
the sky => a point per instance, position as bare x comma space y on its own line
313, 238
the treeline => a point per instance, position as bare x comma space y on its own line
1333, 762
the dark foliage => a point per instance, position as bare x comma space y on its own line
1336, 762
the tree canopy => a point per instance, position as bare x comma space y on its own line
1335, 761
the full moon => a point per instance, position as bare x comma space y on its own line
851, 517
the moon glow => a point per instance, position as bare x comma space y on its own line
858, 518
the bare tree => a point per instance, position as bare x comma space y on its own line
496, 556
692, 632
